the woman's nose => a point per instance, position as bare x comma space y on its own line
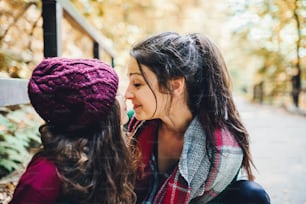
128, 94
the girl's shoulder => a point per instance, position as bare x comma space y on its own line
41, 179
43, 165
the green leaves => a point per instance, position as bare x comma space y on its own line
18, 134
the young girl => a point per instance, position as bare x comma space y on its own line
84, 158
188, 136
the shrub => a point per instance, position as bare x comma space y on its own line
18, 135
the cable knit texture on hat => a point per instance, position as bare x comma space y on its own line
72, 91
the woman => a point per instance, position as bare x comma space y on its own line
188, 136
84, 158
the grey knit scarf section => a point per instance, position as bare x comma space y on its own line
196, 169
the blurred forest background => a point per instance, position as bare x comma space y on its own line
263, 42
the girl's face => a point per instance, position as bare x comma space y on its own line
145, 105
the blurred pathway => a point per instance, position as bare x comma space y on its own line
278, 144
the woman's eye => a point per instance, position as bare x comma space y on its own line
137, 85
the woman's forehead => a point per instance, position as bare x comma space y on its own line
133, 67
135, 70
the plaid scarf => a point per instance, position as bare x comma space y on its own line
194, 179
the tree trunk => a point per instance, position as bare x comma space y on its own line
296, 79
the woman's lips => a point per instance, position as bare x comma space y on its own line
136, 106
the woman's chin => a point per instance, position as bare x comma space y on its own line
139, 116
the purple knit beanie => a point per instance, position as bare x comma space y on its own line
72, 91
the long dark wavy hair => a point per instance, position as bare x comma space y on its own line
196, 58
94, 163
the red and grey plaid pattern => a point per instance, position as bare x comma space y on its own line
175, 188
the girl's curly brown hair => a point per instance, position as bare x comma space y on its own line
94, 162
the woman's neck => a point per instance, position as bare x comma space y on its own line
171, 138
176, 121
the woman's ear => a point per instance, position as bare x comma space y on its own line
178, 86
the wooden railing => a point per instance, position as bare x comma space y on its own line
14, 91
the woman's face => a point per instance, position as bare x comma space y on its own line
145, 105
